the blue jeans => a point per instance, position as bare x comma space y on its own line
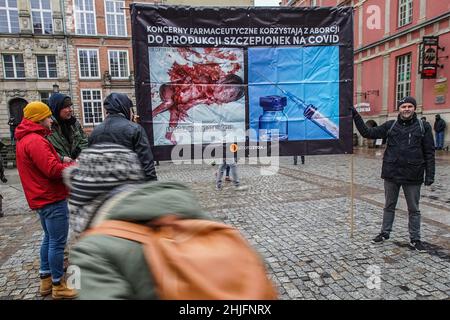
412, 195
233, 170
55, 223
439, 140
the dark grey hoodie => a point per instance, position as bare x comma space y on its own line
117, 128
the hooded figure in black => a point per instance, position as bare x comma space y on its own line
439, 128
118, 128
67, 136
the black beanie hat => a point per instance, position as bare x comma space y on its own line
407, 100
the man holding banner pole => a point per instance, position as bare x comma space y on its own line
408, 162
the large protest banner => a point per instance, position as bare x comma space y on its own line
244, 75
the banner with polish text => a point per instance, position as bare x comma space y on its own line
246, 77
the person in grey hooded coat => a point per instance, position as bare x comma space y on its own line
118, 128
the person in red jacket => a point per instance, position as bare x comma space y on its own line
40, 170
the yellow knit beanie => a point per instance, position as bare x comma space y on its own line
36, 111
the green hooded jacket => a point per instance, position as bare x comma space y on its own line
62, 146
115, 268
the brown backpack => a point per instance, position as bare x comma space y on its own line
192, 259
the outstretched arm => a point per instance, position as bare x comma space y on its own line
371, 133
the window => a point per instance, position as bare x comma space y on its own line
118, 64
85, 17
404, 12
41, 12
45, 95
46, 66
92, 106
13, 66
88, 63
9, 16
403, 76
115, 18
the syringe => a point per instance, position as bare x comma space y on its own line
310, 112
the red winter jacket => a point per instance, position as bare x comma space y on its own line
40, 168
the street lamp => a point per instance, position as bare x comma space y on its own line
55, 88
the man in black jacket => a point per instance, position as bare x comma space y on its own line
439, 129
409, 156
118, 128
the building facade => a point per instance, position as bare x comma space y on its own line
78, 47
387, 41
33, 51
100, 56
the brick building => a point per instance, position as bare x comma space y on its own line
100, 55
387, 41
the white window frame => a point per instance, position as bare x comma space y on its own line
119, 67
89, 63
75, 10
47, 69
115, 14
405, 8
8, 9
14, 65
41, 12
91, 101
403, 83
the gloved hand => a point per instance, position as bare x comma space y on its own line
428, 181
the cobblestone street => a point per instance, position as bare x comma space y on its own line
298, 220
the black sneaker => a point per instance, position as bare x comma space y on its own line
380, 238
418, 246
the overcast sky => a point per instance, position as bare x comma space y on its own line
267, 2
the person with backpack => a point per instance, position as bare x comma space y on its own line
139, 239
408, 162
439, 129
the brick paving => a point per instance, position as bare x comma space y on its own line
298, 220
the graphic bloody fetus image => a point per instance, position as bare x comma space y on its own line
204, 79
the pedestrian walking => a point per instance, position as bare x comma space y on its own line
407, 163
232, 164
302, 158
13, 123
40, 170
118, 128
2, 169
109, 194
67, 135
439, 129
2, 178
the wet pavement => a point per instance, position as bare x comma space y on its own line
299, 220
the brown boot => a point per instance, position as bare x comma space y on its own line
61, 291
46, 286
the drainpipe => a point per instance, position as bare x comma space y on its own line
66, 37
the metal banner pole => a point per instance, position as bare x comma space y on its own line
352, 196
